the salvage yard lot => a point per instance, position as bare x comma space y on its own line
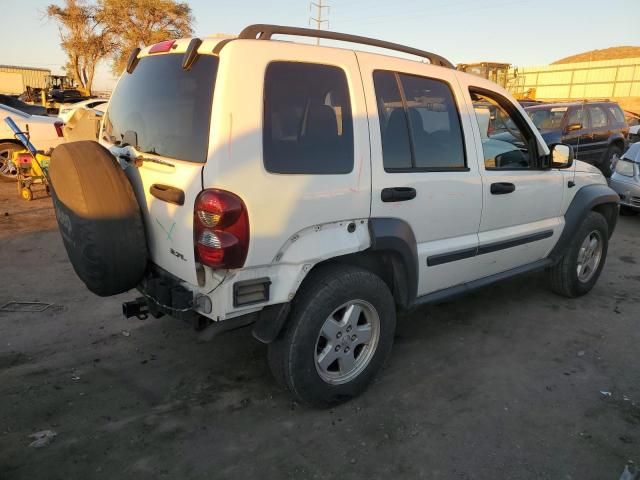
504, 383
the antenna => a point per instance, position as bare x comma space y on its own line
318, 20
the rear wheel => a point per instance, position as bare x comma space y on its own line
8, 170
582, 263
338, 336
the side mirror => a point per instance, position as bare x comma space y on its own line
561, 155
573, 127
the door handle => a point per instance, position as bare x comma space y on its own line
167, 193
502, 188
398, 194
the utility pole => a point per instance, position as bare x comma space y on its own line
318, 20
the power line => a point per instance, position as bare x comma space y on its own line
318, 20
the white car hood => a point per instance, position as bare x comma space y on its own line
585, 167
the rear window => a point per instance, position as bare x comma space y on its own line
166, 109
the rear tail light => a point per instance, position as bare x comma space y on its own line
59, 126
221, 229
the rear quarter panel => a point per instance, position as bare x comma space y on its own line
281, 206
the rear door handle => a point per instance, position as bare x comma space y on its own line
502, 188
398, 194
167, 193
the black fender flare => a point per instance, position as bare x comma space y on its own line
396, 236
585, 200
616, 138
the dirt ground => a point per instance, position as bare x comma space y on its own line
504, 384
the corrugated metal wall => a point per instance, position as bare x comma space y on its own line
601, 79
33, 77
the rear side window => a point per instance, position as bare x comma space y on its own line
617, 114
166, 110
419, 123
308, 128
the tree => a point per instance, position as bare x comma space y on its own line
91, 32
135, 23
83, 39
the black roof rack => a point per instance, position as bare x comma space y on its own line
265, 32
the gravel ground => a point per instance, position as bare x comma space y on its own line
503, 384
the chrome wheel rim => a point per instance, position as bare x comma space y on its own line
589, 256
7, 167
347, 342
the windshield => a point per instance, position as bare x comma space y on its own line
164, 109
547, 118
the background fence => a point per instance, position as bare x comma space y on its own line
611, 79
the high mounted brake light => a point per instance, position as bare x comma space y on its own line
220, 229
161, 47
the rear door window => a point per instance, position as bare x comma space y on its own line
166, 109
308, 128
598, 117
419, 123
394, 129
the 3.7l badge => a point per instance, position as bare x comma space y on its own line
177, 254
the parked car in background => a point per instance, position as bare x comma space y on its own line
634, 134
67, 111
625, 179
530, 103
45, 133
597, 131
14, 102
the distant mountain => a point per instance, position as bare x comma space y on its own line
612, 53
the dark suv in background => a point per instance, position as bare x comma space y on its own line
597, 131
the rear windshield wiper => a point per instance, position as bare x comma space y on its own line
140, 159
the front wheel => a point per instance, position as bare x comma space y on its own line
338, 336
611, 157
582, 263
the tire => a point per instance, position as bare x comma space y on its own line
26, 193
627, 211
99, 217
331, 291
608, 159
564, 277
6, 151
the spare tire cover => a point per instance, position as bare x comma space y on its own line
99, 217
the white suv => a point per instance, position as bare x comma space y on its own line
314, 191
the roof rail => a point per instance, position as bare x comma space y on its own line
265, 32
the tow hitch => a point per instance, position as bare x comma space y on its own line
136, 308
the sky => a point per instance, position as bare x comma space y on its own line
520, 32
